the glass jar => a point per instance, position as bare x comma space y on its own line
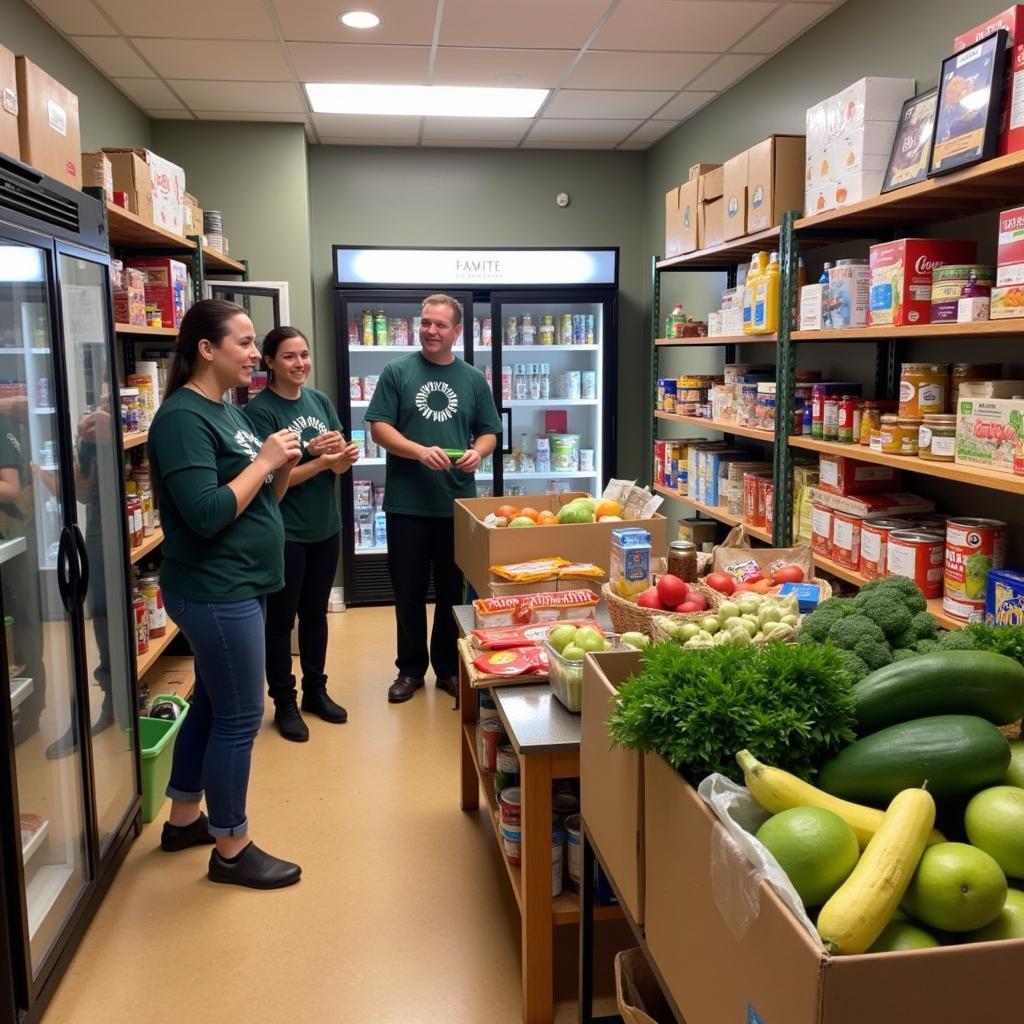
961, 372
547, 329
149, 588
682, 560
923, 389
897, 435
527, 332
937, 438
870, 421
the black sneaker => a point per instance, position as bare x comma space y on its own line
289, 722
319, 703
255, 869
181, 837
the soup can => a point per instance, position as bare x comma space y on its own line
588, 384
919, 556
489, 739
511, 800
874, 537
511, 841
973, 547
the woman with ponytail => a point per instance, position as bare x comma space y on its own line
219, 486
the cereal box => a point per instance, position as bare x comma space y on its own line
990, 433
1010, 254
1004, 604
901, 277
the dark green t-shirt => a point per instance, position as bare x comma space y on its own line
447, 406
14, 455
197, 447
310, 510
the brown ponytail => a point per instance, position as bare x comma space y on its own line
207, 319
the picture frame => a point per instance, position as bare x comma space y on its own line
967, 115
912, 144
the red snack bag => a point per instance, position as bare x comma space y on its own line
513, 661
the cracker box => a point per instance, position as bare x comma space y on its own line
1010, 254
1007, 302
864, 505
166, 285
901, 277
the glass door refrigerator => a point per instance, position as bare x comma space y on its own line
542, 324
69, 770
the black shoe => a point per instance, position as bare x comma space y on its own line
181, 837
403, 688
289, 722
450, 685
319, 703
67, 744
106, 719
254, 868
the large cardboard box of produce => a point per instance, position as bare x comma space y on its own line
130, 174
775, 170
477, 547
9, 142
48, 131
612, 780
734, 191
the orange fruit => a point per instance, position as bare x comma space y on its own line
607, 507
547, 518
508, 512
530, 513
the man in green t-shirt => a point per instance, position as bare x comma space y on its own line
425, 403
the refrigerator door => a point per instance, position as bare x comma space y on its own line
37, 546
100, 537
266, 302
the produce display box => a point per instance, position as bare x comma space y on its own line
612, 780
729, 949
477, 547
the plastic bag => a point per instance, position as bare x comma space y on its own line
736, 891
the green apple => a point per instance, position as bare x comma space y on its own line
710, 624
687, 631
1015, 773
637, 640
520, 522
898, 936
727, 610
956, 888
573, 653
560, 636
994, 820
1008, 925
588, 639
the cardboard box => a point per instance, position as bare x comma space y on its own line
1007, 302
142, 171
690, 237
865, 505
612, 781
844, 476
477, 548
774, 180
696, 170
96, 172
986, 434
193, 224
812, 307
711, 226
991, 389
48, 132
711, 184
130, 175
9, 142
166, 285
728, 949
1010, 253
734, 192
673, 223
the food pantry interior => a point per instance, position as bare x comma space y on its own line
712, 500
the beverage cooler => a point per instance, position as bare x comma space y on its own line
541, 324
69, 768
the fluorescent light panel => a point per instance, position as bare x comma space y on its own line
424, 100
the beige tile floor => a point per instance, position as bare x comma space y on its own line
404, 914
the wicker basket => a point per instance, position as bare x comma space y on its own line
628, 617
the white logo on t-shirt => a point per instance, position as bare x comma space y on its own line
14, 443
251, 445
311, 426
437, 401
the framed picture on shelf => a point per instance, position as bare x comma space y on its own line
970, 94
908, 161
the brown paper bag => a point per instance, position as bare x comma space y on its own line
637, 991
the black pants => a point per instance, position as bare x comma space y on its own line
308, 577
415, 543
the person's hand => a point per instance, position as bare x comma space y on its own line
280, 448
87, 427
325, 444
470, 461
434, 458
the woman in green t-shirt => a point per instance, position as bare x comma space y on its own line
219, 486
312, 529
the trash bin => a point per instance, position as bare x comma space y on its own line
637, 991
156, 738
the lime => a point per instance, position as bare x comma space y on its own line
1015, 773
995, 823
956, 888
901, 935
561, 636
1008, 925
815, 847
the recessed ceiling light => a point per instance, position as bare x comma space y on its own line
424, 100
359, 19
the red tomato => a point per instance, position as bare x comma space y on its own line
649, 599
722, 582
788, 574
689, 607
697, 598
672, 590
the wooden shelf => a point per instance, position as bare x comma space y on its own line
971, 475
725, 255
722, 514
722, 339
173, 675
144, 662
725, 426
993, 185
134, 439
858, 580
146, 332
986, 329
213, 260
151, 543
129, 229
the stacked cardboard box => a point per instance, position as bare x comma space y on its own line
153, 187
48, 132
761, 184
9, 143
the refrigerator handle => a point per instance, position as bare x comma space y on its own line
67, 569
506, 447
83, 564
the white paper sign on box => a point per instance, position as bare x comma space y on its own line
168, 193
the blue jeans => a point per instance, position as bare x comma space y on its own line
213, 751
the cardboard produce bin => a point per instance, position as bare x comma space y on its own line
775, 180
9, 142
612, 780
130, 174
477, 548
48, 132
728, 949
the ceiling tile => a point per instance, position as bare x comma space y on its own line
685, 104
605, 104
566, 24
270, 97
694, 26
358, 126
401, 21
632, 146
728, 69
249, 115
113, 56
171, 115
339, 62
782, 27
521, 69
192, 19
651, 131
497, 129
565, 144
149, 93
581, 130
75, 17
368, 142
604, 69
471, 143
216, 59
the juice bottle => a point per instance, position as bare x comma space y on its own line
758, 266
766, 299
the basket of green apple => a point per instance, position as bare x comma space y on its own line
749, 619
567, 646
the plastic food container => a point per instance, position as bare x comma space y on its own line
566, 677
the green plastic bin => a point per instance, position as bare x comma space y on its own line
156, 737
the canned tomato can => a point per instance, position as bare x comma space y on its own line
511, 802
973, 547
919, 556
874, 537
847, 430
489, 736
511, 841
141, 618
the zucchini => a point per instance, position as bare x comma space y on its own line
980, 683
954, 754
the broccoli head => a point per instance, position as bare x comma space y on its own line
926, 646
902, 653
865, 638
924, 626
906, 590
888, 611
956, 640
855, 666
815, 627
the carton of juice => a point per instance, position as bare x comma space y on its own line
630, 570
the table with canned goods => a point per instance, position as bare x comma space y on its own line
546, 741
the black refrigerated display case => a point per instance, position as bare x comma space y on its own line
70, 777
541, 323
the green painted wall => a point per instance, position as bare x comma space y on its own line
256, 175
452, 197
107, 116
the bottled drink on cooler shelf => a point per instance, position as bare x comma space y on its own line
380, 328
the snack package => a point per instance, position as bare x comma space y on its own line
636, 502
503, 637
737, 558
513, 661
534, 571
527, 608
580, 571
